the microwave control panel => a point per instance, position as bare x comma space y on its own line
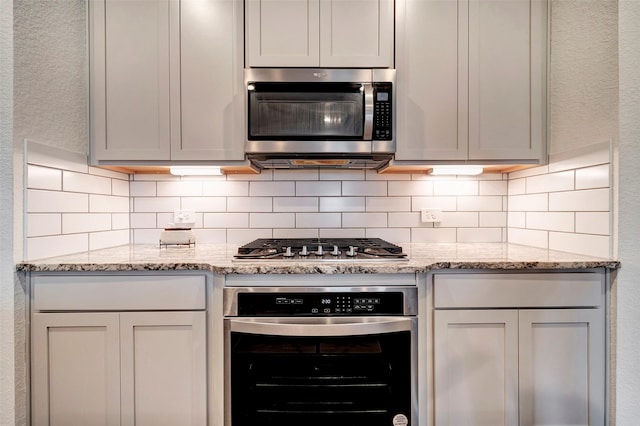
382, 121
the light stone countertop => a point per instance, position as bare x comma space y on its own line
218, 258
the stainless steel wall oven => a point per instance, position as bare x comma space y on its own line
340, 356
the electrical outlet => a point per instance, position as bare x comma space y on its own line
431, 215
184, 216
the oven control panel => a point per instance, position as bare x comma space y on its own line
320, 304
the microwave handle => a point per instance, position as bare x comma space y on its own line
368, 111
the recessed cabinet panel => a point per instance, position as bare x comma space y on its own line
283, 33
476, 367
356, 33
431, 105
562, 367
136, 80
499, 79
209, 116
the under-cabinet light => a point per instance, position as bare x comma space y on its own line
196, 171
456, 170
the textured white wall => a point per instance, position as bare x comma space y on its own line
628, 286
583, 74
7, 380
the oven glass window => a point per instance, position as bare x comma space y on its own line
290, 111
337, 381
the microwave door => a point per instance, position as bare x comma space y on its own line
310, 111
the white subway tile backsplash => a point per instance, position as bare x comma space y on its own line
44, 178
364, 188
591, 245
157, 204
342, 175
493, 219
318, 220
179, 189
364, 220
296, 175
344, 233
120, 187
120, 221
57, 245
249, 204
458, 220
516, 219
244, 236
373, 175
210, 236
272, 189
100, 240
551, 221
498, 187
317, 189
593, 177
204, 204
388, 204
433, 235
108, 173
393, 235
442, 203
142, 189
39, 201
479, 235
342, 204
553, 182
295, 204
225, 189
483, 204
455, 187
226, 220
593, 223
532, 171
406, 220
296, 233
108, 204
143, 220
412, 188
146, 236
528, 237
527, 203
40, 225
74, 223
517, 187
589, 200
81, 182
272, 220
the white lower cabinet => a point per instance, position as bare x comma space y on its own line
520, 366
130, 368
118, 365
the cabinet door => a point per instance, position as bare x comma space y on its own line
356, 33
476, 367
130, 80
431, 45
164, 371
506, 71
282, 33
75, 369
208, 75
562, 367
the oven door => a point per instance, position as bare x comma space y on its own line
338, 371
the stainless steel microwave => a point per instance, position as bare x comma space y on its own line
320, 117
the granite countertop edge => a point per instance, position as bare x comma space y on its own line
217, 258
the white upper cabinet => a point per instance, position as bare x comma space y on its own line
319, 33
471, 80
166, 80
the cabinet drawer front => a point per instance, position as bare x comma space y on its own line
118, 292
524, 290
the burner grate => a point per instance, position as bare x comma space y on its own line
327, 243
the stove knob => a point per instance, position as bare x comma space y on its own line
352, 251
319, 252
288, 252
304, 251
335, 251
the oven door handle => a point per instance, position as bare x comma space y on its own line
321, 326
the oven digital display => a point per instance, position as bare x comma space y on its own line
312, 304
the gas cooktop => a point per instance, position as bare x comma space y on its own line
320, 249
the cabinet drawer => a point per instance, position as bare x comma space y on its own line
513, 290
118, 292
